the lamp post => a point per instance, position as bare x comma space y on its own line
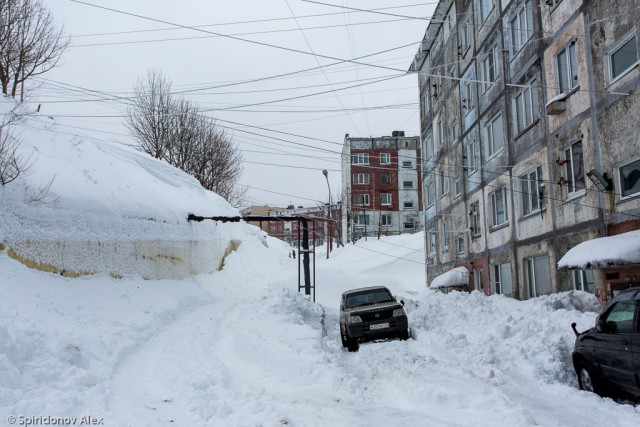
326, 175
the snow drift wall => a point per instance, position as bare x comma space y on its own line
88, 207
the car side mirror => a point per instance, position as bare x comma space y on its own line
601, 326
402, 302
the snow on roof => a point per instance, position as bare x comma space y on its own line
456, 277
611, 251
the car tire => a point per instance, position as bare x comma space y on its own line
404, 335
352, 345
588, 380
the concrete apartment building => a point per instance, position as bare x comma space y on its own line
530, 138
381, 185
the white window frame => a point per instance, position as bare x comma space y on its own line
525, 106
385, 199
472, 160
365, 199
619, 177
530, 187
567, 60
432, 240
407, 164
465, 37
407, 184
484, 10
531, 274
494, 146
444, 182
426, 102
521, 27
575, 176
460, 246
360, 158
407, 206
385, 158
489, 63
500, 273
360, 179
409, 225
431, 192
445, 235
499, 197
617, 47
582, 280
357, 220
386, 220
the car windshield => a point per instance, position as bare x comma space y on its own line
368, 298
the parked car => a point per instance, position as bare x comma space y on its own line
371, 313
606, 358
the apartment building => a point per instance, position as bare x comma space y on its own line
382, 185
257, 210
524, 104
317, 223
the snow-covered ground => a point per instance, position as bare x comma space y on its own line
241, 346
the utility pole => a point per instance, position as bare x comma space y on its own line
326, 175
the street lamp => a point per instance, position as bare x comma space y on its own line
326, 175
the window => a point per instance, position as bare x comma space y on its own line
629, 176
361, 178
526, 106
438, 138
620, 318
502, 279
385, 158
385, 199
495, 138
484, 8
361, 220
426, 102
476, 227
428, 146
407, 205
538, 276
531, 194
458, 185
361, 159
467, 96
574, 168
582, 280
361, 199
431, 192
567, 68
407, 184
465, 37
478, 282
521, 27
445, 234
623, 58
472, 159
407, 164
499, 207
460, 244
489, 69
409, 225
432, 241
454, 130
385, 179
385, 220
444, 183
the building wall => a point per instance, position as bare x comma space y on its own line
592, 122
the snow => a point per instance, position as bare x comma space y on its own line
454, 277
603, 252
241, 346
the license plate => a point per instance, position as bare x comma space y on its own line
379, 326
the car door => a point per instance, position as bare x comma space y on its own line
635, 349
615, 345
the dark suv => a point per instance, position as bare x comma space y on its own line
371, 313
606, 358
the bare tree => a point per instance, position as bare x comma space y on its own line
172, 128
30, 44
12, 162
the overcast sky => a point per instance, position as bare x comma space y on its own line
244, 63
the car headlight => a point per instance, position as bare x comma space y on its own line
355, 319
398, 312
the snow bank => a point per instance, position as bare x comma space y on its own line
603, 252
109, 209
455, 277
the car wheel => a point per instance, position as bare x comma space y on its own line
404, 335
345, 343
352, 344
587, 380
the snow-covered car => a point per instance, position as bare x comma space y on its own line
606, 358
371, 313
